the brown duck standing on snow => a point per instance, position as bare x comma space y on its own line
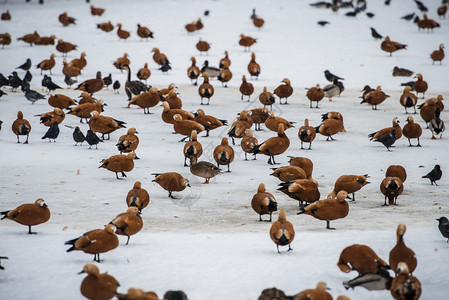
391, 187
284, 90
350, 184
144, 32
274, 145
304, 163
222, 61
289, 173
420, 85
79, 63
266, 98
171, 182
401, 252
209, 122
408, 99
65, 47
263, 202
85, 110
302, 190
224, 154
119, 163
29, 214
412, 130
248, 143
92, 86
104, 124
66, 20
202, 46
106, 26
386, 131
306, 134
47, 64
330, 127
128, 142
146, 100
95, 242
5, 39
60, 101
57, 115
122, 34
193, 148
426, 23
128, 223
144, 73
96, 11
315, 94
375, 97
253, 67
246, 88
21, 126
272, 122
246, 41
362, 259
396, 171
205, 90
185, 127
282, 232
259, 116
6, 16
238, 127
96, 285
391, 46
138, 196
122, 61
438, 55
193, 72
328, 209
30, 38
160, 58
225, 75
70, 71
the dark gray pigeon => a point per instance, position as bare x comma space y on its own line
116, 86
434, 175
28, 77
387, 140
78, 136
107, 80
92, 139
331, 77
52, 132
376, 35
32, 95
69, 81
443, 226
25, 66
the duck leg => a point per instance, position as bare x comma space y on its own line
26, 142
385, 203
229, 171
328, 223
289, 248
29, 230
123, 174
277, 246
116, 175
419, 145
207, 181
127, 241
246, 158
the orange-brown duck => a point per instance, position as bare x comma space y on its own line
104, 125
412, 130
30, 38
193, 72
66, 20
47, 64
391, 46
65, 47
21, 126
263, 202
408, 99
246, 88
98, 286
306, 134
391, 187
274, 145
438, 55
253, 67
144, 32
29, 214
122, 34
92, 86
202, 46
246, 41
96, 11
315, 94
284, 90
224, 154
282, 232
266, 98
420, 85
119, 163
205, 90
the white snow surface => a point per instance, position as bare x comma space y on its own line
209, 242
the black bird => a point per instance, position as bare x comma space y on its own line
437, 125
2, 257
387, 2
116, 86
331, 77
253, 15
370, 15
387, 140
375, 34
3, 80
107, 80
32, 95
52, 132
408, 17
26, 65
323, 23
49, 84
410, 84
421, 6
69, 81
14, 81
78, 136
443, 226
206, 13
351, 13
92, 139
371, 281
25, 86
434, 175
165, 68
1, 122
2, 93
321, 4
28, 77
44, 82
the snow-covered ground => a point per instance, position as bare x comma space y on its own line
209, 242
